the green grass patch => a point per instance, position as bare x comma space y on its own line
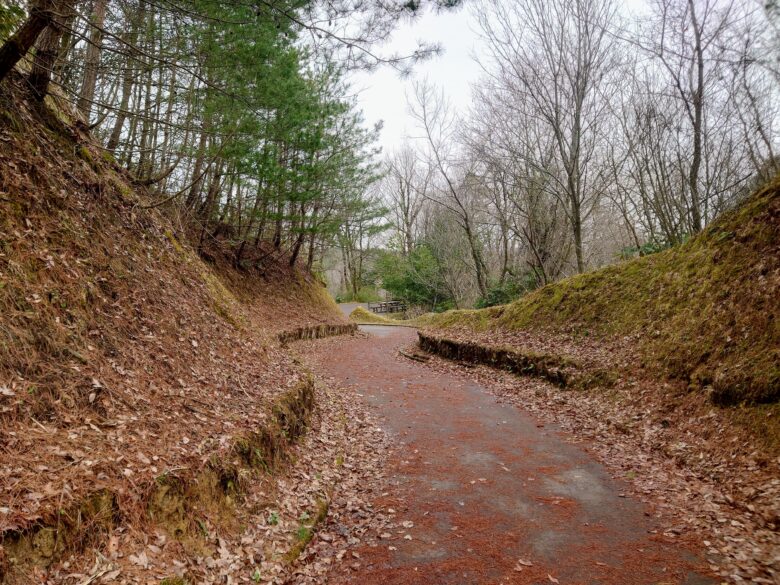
366, 294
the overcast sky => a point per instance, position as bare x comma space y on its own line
382, 93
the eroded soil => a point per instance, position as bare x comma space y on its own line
483, 493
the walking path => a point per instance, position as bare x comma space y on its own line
486, 494
347, 308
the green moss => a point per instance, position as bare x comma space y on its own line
11, 120
167, 507
764, 421
174, 581
123, 189
58, 114
178, 505
306, 531
72, 529
224, 303
174, 242
99, 511
292, 412
85, 155
560, 370
259, 449
706, 310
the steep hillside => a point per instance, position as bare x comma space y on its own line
706, 312
139, 385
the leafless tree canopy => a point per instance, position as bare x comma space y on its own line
593, 135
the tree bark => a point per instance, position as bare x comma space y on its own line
127, 92
698, 111
48, 49
312, 237
194, 193
300, 238
92, 60
16, 47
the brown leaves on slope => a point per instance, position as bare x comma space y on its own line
336, 463
124, 359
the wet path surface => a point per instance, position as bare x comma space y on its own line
493, 496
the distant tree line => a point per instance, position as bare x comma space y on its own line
591, 136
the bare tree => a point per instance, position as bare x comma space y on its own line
516, 161
555, 55
405, 184
92, 59
694, 121
694, 44
438, 126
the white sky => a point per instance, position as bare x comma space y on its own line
382, 93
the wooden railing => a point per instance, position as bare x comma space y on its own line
387, 307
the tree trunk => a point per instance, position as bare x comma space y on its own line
296, 250
576, 223
12, 51
476, 255
194, 193
206, 210
92, 60
312, 237
278, 225
698, 111
68, 42
145, 155
127, 92
312, 245
301, 237
344, 277
48, 49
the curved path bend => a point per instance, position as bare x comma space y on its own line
493, 496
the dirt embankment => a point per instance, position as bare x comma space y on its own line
142, 390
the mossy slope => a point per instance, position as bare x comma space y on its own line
362, 316
706, 312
